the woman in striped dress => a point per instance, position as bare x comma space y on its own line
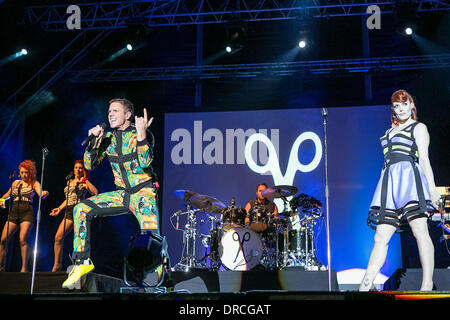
406, 191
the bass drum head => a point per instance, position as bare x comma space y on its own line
240, 249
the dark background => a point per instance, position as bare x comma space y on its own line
60, 118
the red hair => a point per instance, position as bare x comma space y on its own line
84, 169
402, 96
30, 166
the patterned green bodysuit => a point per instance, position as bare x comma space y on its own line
133, 175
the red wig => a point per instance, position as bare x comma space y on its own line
30, 166
402, 96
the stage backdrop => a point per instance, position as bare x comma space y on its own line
226, 154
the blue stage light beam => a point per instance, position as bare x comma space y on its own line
14, 56
117, 54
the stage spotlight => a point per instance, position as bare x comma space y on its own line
13, 57
302, 44
129, 47
233, 48
408, 31
148, 251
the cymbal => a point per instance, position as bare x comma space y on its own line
184, 194
208, 204
200, 201
279, 192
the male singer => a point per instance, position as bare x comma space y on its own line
130, 154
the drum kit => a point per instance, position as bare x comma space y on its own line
240, 241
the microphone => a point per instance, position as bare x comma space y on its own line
12, 175
324, 112
178, 218
19, 187
69, 176
91, 137
177, 213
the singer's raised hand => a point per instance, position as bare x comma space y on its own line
142, 124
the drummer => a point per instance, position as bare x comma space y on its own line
260, 201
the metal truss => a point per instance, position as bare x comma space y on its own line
14, 109
265, 70
158, 13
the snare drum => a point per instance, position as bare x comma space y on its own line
240, 249
233, 217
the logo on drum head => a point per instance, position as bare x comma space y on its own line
245, 238
241, 249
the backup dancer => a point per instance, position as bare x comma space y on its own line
75, 191
21, 214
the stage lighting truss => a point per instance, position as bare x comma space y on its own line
159, 13
329, 68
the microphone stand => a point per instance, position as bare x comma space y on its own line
324, 114
64, 217
10, 204
44, 154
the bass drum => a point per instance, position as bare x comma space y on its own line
240, 249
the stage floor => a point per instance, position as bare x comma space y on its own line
100, 295
200, 286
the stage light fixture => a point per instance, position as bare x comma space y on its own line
148, 251
129, 47
13, 57
408, 31
302, 44
233, 48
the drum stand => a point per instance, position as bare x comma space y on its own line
293, 258
310, 259
189, 260
211, 241
305, 253
285, 258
